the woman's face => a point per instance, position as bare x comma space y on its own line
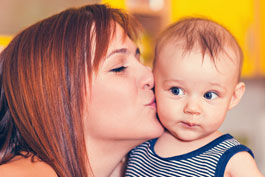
121, 104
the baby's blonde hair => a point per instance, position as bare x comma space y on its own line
209, 36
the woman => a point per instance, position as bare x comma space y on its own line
74, 96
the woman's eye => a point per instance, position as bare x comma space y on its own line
210, 95
119, 69
176, 91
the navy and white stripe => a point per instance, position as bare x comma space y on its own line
209, 160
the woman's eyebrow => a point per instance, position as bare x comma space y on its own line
123, 51
117, 51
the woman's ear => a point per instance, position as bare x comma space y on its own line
237, 94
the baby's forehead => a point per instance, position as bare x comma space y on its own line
175, 62
172, 54
227, 52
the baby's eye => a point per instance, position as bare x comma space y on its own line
176, 91
119, 69
210, 95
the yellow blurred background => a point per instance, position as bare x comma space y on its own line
244, 18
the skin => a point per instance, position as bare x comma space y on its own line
24, 167
197, 94
121, 112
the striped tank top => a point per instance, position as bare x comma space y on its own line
209, 160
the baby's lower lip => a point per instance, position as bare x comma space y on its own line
188, 124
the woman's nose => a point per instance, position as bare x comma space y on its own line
148, 78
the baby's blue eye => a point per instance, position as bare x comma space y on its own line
119, 69
210, 95
176, 91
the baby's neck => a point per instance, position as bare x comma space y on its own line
168, 145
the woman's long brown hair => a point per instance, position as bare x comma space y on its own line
43, 80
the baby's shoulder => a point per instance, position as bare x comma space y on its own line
25, 167
242, 164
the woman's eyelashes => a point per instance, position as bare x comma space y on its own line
118, 69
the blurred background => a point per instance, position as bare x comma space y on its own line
244, 18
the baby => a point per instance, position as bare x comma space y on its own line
197, 70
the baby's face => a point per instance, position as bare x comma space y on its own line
192, 94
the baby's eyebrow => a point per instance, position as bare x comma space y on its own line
217, 85
175, 80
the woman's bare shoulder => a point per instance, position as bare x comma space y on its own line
24, 167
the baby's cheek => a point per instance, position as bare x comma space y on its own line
164, 114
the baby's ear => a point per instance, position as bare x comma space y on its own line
237, 95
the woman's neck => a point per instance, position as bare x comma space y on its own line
106, 155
